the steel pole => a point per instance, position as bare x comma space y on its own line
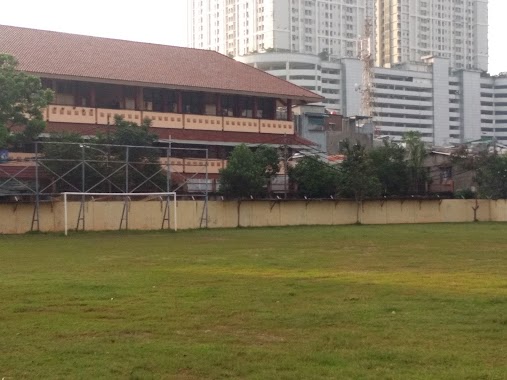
127, 169
175, 215
37, 186
65, 217
206, 191
83, 186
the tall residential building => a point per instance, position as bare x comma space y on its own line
429, 53
454, 29
240, 27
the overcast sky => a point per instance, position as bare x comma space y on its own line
164, 21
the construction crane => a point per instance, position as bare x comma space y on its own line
366, 57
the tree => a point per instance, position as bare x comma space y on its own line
314, 178
478, 160
268, 159
390, 167
324, 55
108, 161
22, 100
357, 175
62, 158
4, 137
128, 133
144, 161
416, 153
248, 173
489, 166
492, 177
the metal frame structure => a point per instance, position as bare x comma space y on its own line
46, 190
103, 165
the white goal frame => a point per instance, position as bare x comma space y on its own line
168, 195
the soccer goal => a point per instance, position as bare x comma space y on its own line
104, 211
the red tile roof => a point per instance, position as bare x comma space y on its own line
20, 172
182, 135
93, 58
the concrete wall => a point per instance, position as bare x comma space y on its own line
99, 216
441, 129
352, 71
471, 113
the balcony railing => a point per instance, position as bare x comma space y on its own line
198, 165
162, 120
106, 116
194, 165
66, 114
103, 116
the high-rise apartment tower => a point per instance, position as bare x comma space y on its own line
404, 30
454, 29
239, 27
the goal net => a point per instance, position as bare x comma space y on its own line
120, 211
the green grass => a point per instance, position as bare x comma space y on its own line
356, 302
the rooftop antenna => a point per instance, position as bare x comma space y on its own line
366, 57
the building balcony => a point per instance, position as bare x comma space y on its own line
66, 114
497, 108
198, 165
400, 93
104, 116
403, 112
193, 165
405, 120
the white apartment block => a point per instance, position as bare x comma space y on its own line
431, 56
447, 106
309, 71
454, 29
403, 30
241, 27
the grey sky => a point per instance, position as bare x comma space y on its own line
164, 21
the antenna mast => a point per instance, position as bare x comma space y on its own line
366, 57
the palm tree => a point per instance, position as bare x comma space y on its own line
416, 153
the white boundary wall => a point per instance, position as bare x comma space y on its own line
101, 216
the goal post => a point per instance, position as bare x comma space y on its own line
126, 197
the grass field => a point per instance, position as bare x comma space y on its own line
358, 302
